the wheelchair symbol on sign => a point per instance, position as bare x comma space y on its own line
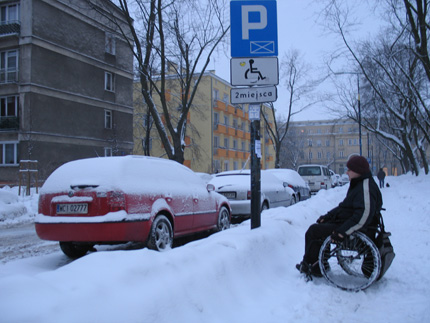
255, 73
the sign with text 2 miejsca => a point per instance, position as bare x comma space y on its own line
253, 95
254, 28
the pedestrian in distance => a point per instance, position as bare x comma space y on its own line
356, 212
381, 177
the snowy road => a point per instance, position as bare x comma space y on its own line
21, 241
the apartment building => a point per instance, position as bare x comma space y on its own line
218, 133
331, 143
66, 78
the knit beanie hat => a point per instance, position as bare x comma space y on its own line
358, 164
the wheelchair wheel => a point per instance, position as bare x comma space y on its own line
353, 265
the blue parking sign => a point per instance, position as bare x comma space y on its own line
254, 28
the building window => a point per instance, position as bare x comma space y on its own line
327, 143
340, 130
9, 112
319, 155
310, 142
226, 166
226, 120
110, 45
108, 152
350, 142
319, 143
235, 165
9, 106
217, 166
8, 153
340, 142
310, 155
226, 98
216, 142
341, 154
328, 155
235, 144
216, 94
109, 82
216, 119
226, 145
9, 14
108, 119
9, 66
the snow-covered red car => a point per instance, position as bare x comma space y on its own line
120, 199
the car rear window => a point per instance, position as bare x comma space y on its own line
309, 170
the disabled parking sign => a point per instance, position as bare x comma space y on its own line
254, 28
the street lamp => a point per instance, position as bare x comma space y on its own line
358, 105
359, 114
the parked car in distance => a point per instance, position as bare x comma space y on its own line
236, 186
344, 179
294, 181
317, 176
120, 199
335, 179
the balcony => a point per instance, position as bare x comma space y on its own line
9, 123
10, 28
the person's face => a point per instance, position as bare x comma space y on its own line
351, 174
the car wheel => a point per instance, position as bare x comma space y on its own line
223, 219
74, 250
161, 234
265, 206
293, 200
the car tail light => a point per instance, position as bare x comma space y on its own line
290, 186
116, 201
248, 195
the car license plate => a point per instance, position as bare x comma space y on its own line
229, 195
75, 208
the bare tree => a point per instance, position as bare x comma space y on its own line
394, 93
298, 87
172, 42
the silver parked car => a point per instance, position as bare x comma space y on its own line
317, 176
294, 180
236, 186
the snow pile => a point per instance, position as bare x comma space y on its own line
238, 275
16, 209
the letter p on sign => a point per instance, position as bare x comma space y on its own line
254, 28
247, 25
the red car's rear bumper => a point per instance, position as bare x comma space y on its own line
94, 232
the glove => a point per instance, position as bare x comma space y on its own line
337, 237
321, 219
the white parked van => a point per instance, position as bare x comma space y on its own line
317, 176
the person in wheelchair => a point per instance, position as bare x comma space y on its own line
356, 212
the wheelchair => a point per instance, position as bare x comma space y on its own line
352, 265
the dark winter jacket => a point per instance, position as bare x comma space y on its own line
363, 200
381, 175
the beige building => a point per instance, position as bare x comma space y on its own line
331, 143
218, 133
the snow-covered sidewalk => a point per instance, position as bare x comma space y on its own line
238, 275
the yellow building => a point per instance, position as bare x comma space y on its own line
218, 134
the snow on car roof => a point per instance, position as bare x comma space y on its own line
242, 178
127, 173
288, 175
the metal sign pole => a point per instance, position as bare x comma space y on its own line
255, 174
254, 47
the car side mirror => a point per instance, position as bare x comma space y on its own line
210, 187
285, 184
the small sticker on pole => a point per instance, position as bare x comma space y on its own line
254, 112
